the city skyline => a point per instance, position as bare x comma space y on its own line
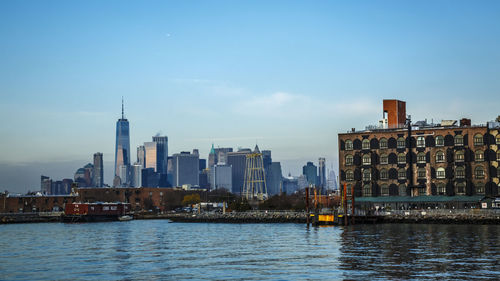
203, 73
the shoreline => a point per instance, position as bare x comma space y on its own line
279, 217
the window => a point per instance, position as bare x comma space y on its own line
498, 155
366, 144
349, 175
349, 160
459, 156
421, 173
422, 191
348, 189
441, 189
401, 158
383, 143
498, 139
367, 175
479, 172
348, 145
478, 140
459, 172
401, 143
367, 190
384, 190
460, 189
479, 156
384, 159
421, 158
459, 140
367, 160
440, 157
402, 174
439, 141
384, 174
402, 190
420, 141
480, 188
441, 173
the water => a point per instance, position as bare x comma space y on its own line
158, 250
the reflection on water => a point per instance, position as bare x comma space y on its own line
158, 250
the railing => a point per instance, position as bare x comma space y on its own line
429, 212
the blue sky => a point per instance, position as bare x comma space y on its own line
289, 75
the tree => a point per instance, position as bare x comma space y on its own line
191, 199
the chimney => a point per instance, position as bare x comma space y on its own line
464, 122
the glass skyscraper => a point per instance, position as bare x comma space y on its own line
122, 152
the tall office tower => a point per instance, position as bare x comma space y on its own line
66, 186
267, 160
161, 154
136, 175
321, 173
151, 155
218, 155
290, 185
45, 184
274, 178
185, 169
98, 176
122, 152
237, 160
220, 177
332, 180
310, 171
124, 175
141, 156
203, 164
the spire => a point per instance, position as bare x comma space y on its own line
123, 117
256, 150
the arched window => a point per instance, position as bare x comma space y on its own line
367, 175
459, 140
479, 172
459, 172
402, 190
480, 188
349, 160
401, 143
349, 175
478, 140
367, 190
439, 141
421, 173
367, 159
479, 156
460, 189
441, 173
384, 159
498, 139
420, 141
383, 143
460, 156
348, 145
384, 190
421, 158
401, 158
402, 174
384, 174
441, 189
366, 144
440, 156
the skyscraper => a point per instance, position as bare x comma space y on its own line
321, 173
186, 169
122, 152
161, 153
98, 176
151, 155
310, 171
237, 161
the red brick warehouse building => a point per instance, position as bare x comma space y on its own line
396, 160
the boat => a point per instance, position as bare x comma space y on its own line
125, 218
94, 212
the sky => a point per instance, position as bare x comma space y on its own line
286, 75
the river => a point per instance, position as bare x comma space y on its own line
158, 250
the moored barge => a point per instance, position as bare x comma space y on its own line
94, 212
